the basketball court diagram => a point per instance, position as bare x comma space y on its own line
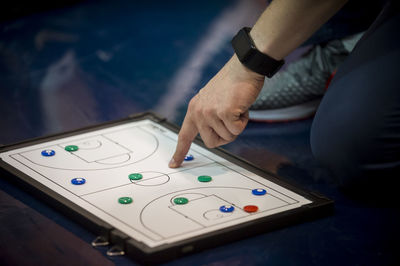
121, 175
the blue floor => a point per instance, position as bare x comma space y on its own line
98, 61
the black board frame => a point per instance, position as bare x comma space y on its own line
321, 206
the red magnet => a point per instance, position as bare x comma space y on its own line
250, 208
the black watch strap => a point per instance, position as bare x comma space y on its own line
251, 57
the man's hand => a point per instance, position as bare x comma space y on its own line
219, 112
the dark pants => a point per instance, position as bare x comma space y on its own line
356, 131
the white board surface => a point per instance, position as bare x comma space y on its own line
107, 156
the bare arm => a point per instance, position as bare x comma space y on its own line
286, 24
219, 112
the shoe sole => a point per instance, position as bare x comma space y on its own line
287, 114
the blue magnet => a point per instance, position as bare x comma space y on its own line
259, 191
78, 181
48, 153
226, 208
189, 157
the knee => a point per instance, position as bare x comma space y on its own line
355, 152
336, 145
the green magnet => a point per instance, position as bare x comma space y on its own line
71, 148
181, 201
204, 178
135, 176
125, 200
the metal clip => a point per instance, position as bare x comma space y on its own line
100, 241
115, 251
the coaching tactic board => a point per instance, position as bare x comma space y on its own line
118, 174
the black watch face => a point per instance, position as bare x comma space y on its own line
273, 72
251, 57
243, 46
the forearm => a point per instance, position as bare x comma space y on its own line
219, 112
286, 24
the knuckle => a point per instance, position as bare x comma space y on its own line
231, 138
238, 130
192, 104
198, 111
207, 112
222, 114
209, 143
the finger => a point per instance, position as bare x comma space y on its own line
185, 138
237, 123
210, 138
220, 129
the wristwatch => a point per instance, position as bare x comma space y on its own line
251, 57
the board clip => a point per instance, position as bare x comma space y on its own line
100, 241
115, 251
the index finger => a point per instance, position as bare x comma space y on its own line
186, 136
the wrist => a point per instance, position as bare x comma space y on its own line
266, 45
251, 57
243, 72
